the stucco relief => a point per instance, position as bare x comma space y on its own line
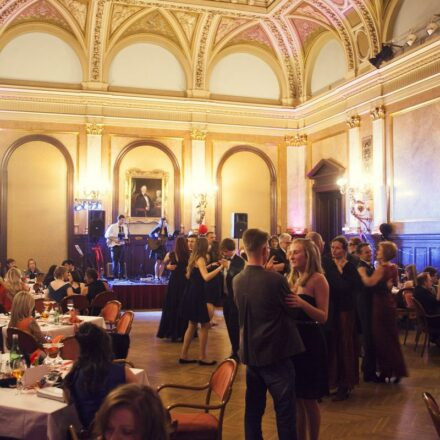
201, 55
226, 26
79, 11
306, 29
309, 11
120, 14
42, 11
253, 34
187, 21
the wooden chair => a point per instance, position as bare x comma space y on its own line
101, 299
123, 326
27, 343
433, 410
197, 425
110, 312
80, 303
405, 309
429, 325
39, 305
70, 350
72, 433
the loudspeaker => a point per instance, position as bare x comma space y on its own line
96, 224
239, 224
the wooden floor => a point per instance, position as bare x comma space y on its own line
374, 411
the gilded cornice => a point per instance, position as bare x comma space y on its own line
94, 128
298, 140
198, 135
354, 121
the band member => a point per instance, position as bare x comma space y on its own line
158, 252
116, 235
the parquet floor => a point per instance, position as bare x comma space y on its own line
373, 412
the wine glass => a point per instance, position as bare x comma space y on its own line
58, 360
70, 306
18, 367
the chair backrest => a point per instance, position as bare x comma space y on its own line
101, 299
110, 312
70, 349
27, 343
39, 305
420, 314
124, 324
222, 379
433, 410
80, 302
408, 295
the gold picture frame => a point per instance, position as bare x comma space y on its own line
146, 195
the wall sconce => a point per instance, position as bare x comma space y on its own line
90, 198
360, 199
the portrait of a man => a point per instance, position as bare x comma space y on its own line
146, 197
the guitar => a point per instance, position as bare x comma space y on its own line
155, 243
115, 241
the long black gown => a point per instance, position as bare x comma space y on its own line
172, 324
194, 307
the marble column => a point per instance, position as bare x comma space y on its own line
296, 181
378, 178
198, 179
354, 165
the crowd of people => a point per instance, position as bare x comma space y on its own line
299, 318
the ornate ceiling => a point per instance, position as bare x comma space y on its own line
287, 31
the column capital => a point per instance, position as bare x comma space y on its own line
354, 121
378, 113
198, 135
296, 141
94, 128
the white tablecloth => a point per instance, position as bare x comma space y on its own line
52, 329
26, 416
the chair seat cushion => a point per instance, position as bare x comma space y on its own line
195, 426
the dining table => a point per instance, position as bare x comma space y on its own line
49, 328
31, 417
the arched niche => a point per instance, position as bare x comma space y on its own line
41, 53
39, 184
176, 175
128, 65
272, 193
246, 72
326, 64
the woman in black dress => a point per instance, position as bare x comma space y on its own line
213, 288
172, 325
310, 294
194, 302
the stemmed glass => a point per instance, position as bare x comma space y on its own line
58, 360
18, 367
70, 306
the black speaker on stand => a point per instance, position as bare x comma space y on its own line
239, 223
96, 230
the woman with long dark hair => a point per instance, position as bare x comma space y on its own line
194, 302
213, 288
172, 325
93, 375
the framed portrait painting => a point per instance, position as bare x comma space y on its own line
146, 195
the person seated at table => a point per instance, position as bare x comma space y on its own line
21, 315
410, 276
59, 287
423, 294
13, 282
93, 285
93, 375
49, 276
70, 266
32, 270
10, 262
132, 411
38, 286
5, 298
75, 281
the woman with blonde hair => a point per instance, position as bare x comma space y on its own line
194, 306
21, 315
411, 276
13, 282
310, 294
132, 411
389, 357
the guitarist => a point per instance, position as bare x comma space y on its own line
116, 235
158, 238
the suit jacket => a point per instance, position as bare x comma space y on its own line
268, 331
235, 267
427, 300
140, 204
280, 257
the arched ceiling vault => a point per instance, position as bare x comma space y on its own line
286, 29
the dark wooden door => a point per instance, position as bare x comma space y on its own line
328, 215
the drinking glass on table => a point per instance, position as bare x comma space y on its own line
70, 306
18, 367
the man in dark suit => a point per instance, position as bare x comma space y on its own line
423, 294
230, 311
280, 261
143, 203
365, 313
268, 339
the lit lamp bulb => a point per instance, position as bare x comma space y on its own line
431, 28
412, 37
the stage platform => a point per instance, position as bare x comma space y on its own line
138, 295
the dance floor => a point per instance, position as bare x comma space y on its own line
374, 411
137, 295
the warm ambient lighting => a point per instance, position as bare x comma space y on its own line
201, 190
431, 28
90, 197
412, 37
